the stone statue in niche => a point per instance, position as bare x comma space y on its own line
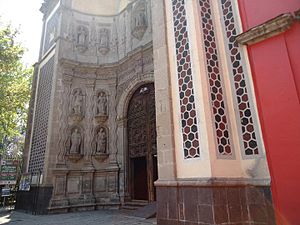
82, 38
101, 104
139, 22
103, 41
99, 144
75, 142
101, 141
101, 107
77, 105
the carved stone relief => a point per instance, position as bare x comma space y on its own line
103, 41
139, 21
82, 38
75, 143
77, 105
100, 143
100, 107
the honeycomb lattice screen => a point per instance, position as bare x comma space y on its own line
241, 88
190, 131
41, 116
215, 78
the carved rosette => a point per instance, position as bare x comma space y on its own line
74, 157
103, 41
101, 156
100, 118
139, 21
76, 118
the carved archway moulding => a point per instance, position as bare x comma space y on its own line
122, 107
128, 92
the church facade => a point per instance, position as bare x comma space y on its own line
147, 100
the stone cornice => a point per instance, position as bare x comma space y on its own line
136, 53
268, 29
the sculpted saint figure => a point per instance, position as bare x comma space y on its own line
75, 142
77, 103
101, 104
104, 38
101, 141
141, 19
81, 36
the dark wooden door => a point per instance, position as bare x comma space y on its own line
142, 143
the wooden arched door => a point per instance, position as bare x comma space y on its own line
142, 148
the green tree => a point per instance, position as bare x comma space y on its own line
15, 80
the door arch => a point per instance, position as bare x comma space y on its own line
142, 149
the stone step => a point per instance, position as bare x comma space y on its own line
134, 204
129, 208
148, 211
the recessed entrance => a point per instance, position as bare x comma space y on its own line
142, 144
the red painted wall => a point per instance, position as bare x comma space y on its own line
275, 65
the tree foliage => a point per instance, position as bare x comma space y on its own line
15, 80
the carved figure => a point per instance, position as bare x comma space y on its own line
77, 103
139, 20
101, 104
104, 37
82, 39
75, 142
104, 41
81, 36
101, 141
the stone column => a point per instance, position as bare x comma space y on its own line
63, 115
90, 86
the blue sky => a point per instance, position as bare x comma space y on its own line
25, 15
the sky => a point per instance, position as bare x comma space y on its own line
25, 15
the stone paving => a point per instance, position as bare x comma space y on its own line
100, 217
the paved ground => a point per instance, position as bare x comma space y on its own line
100, 217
